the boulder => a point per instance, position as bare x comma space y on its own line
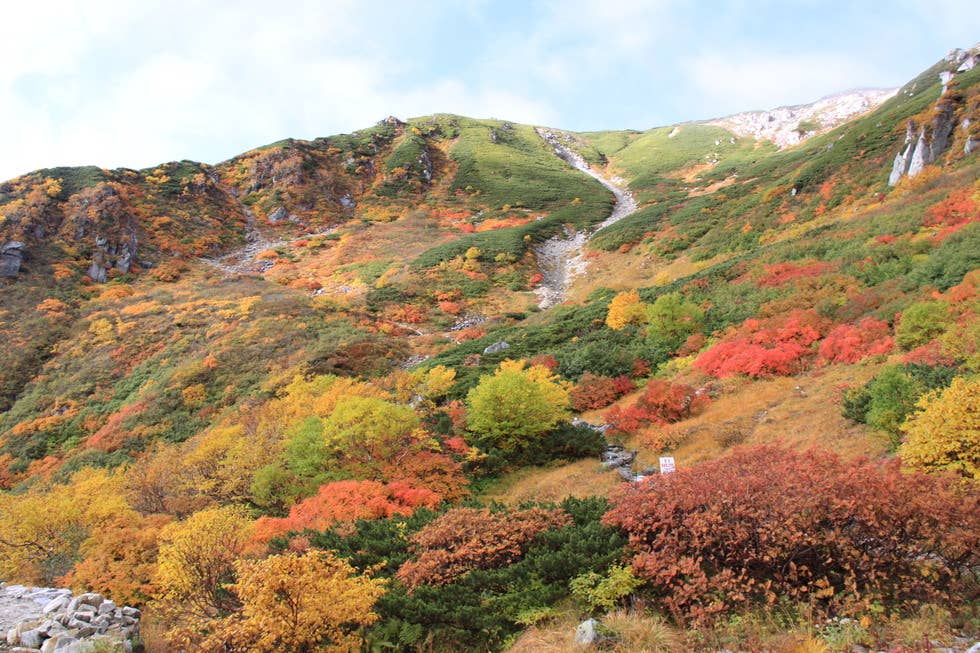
55, 604
592, 634
587, 633
31, 638
497, 347
11, 257
278, 215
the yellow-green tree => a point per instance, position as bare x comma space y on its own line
364, 433
516, 405
196, 562
626, 308
945, 432
671, 319
300, 603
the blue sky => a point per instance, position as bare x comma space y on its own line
123, 83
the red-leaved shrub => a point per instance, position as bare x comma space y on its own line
596, 391
767, 523
342, 501
849, 343
776, 346
661, 403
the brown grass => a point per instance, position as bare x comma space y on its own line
553, 483
638, 633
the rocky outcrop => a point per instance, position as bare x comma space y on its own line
51, 620
924, 144
496, 347
92, 214
11, 257
927, 140
787, 126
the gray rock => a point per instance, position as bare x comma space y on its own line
69, 644
347, 201
11, 257
971, 146
48, 645
974, 649
31, 638
587, 633
278, 215
497, 347
97, 272
626, 474
107, 607
86, 631
56, 604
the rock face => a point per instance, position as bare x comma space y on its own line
47, 619
11, 256
926, 142
787, 126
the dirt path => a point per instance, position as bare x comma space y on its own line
562, 258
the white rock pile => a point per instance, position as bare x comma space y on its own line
52, 620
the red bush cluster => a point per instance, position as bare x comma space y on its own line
765, 523
774, 346
661, 403
596, 391
464, 539
849, 343
782, 273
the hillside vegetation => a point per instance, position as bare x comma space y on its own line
305, 399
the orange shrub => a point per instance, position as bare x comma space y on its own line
661, 403
347, 501
849, 343
464, 539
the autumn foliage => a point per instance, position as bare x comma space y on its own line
944, 434
662, 402
849, 343
464, 539
767, 523
773, 346
346, 501
596, 391
301, 603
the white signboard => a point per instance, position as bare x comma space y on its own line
667, 465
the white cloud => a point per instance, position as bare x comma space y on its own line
727, 82
134, 84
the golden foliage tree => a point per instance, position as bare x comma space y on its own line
41, 530
196, 562
945, 433
626, 308
300, 603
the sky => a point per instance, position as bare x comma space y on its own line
118, 83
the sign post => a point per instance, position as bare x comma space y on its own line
667, 465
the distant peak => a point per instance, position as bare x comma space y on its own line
790, 125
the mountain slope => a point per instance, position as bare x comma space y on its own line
293, 338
